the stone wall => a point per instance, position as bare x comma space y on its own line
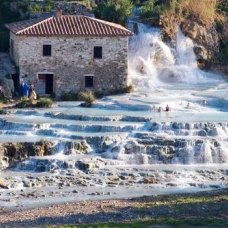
14, 51
72, 59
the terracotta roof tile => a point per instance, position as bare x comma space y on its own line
67, 25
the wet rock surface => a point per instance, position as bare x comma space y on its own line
11, 154
61, 181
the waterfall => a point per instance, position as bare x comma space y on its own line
154, 63
184, 51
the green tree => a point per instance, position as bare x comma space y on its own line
151, 9
117, 11
6, 16
49, 5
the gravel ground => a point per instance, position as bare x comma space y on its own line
212, 204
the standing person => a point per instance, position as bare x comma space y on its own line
22, 89
167, 109
32, 94
31, 89
26, 90
23, 86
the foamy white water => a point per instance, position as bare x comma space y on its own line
153, 63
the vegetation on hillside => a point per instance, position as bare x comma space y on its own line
208, 14
47, 6
151, 9
223, 6
6, 16
117, 11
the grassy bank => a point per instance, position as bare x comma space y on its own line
161, 222
203, 209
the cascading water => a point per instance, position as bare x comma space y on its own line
153, 63
155, 67
184, 51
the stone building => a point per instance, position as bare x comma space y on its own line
65, 53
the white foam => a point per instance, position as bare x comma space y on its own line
152, 62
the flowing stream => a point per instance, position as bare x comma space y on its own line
129, 144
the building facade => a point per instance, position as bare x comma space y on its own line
64, 54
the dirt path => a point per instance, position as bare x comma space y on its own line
204, 205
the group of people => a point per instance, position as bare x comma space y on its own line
27, 91
167, 109
160, 109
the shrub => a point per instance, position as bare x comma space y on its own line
117, 11
170, 19
33, 8
44, 103
149, 9
88, 97
24, 103
205, 12
41, 103
49, 5
223, 6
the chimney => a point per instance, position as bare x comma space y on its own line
58, 13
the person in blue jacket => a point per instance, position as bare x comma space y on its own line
25, 88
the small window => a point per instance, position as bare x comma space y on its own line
46, 50
97, 54
88, 81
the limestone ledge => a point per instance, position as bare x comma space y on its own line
12, 153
